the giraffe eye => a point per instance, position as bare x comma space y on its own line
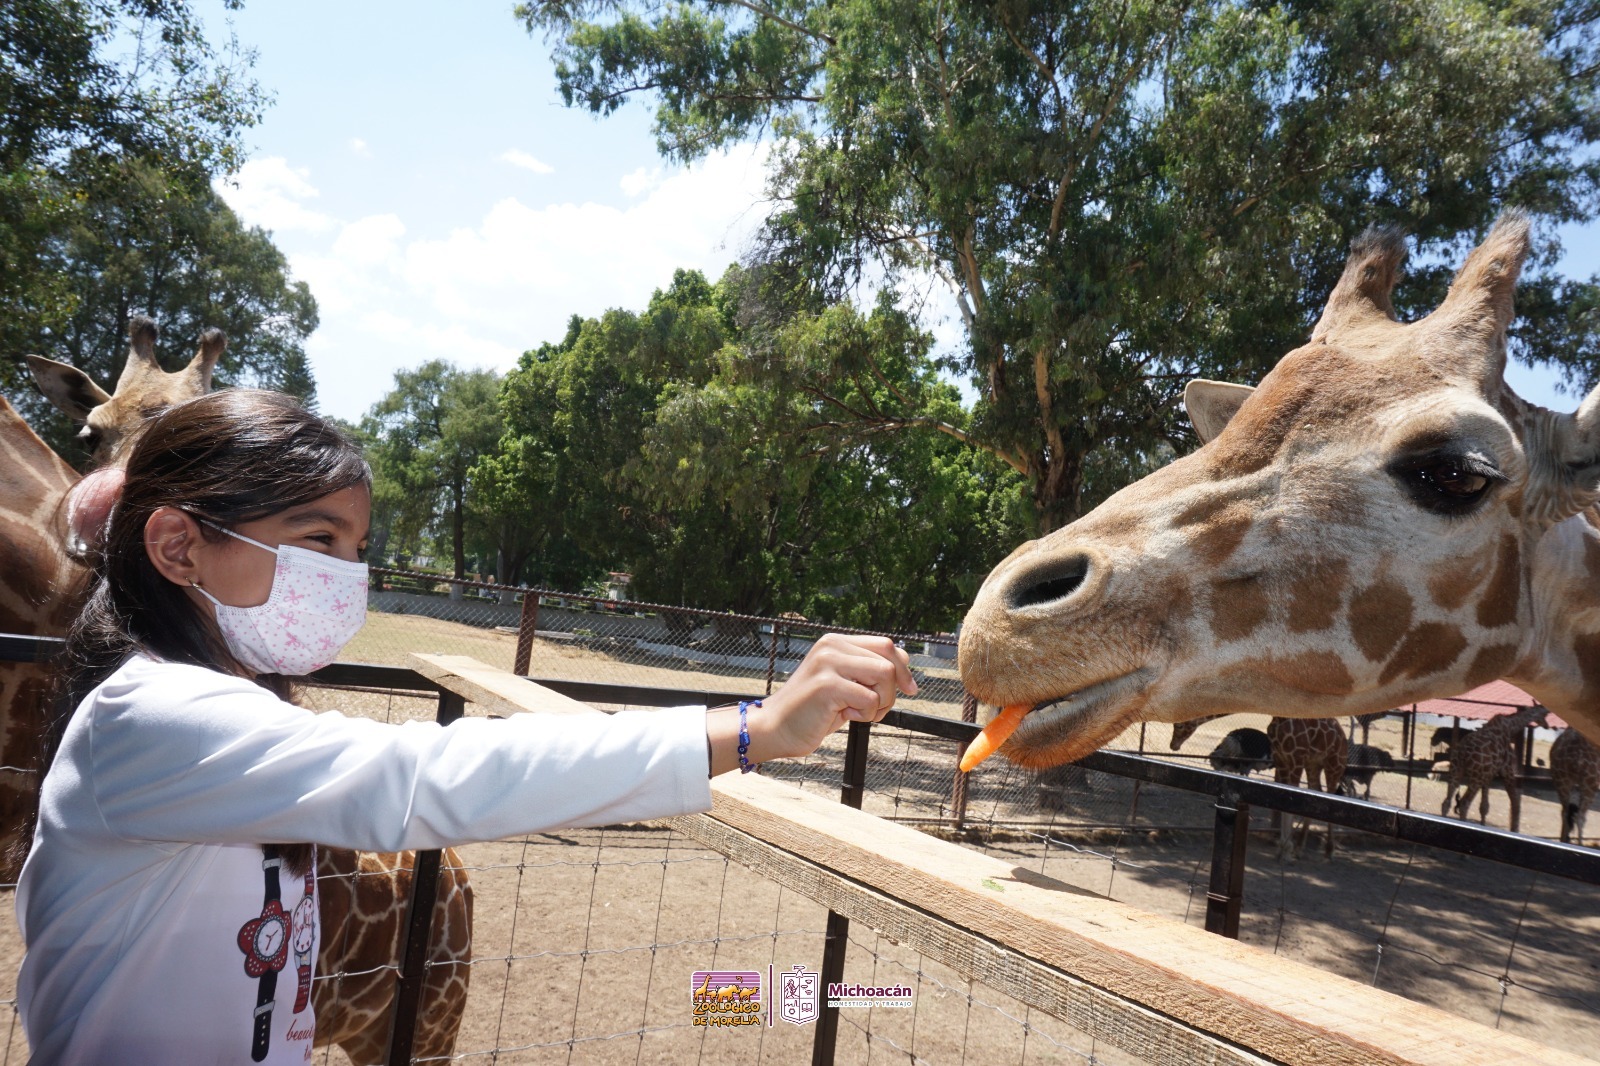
1447, 484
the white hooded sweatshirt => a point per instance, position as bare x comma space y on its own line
148, 909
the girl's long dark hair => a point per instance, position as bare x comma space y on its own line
228, 457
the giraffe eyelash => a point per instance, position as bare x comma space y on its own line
1447, 483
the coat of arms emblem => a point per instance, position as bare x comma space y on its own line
797, 996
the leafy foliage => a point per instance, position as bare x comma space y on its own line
115, 116
667, 444
423, 439
1120, 195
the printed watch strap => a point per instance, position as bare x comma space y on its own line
267, 989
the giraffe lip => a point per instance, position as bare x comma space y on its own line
1090, 695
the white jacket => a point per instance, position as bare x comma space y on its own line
146, 879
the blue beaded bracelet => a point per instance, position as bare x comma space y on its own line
745, 765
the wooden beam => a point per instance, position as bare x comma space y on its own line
1050, 944
1147, 1034
491, 687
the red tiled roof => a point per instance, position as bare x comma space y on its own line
1484, 702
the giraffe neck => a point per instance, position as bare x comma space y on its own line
1559, 663
33, 484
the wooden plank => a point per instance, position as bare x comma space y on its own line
488, 686
1141, 967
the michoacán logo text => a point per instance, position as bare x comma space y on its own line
841, 994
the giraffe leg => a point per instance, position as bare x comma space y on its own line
1335, 777
1483, 806
1314, 783
1514, 797
1286, 821
1449, 794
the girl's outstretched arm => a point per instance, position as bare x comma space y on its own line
842, 679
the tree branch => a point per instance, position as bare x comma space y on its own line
768, 13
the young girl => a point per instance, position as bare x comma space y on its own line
170, 881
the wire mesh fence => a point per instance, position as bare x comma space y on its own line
588, 943
590, 638
585, 942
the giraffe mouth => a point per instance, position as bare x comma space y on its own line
1068, 727
1084, 700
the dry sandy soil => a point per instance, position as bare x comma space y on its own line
625, 915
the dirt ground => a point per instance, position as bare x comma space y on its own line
625, 915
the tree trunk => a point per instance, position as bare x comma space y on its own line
458, 537
1057, 491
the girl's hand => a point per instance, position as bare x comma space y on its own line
842, 679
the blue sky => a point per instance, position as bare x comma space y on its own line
422, 175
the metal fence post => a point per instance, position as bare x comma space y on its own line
837, 937
527, 627
958, 791
1228, 842
772, 658
419, 929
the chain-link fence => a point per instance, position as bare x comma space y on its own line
573, 637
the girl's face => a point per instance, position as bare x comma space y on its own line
240, 574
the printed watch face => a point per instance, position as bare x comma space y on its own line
269, 937
265, 940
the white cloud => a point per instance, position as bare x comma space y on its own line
370, 240
518, 158
360, 148
268, 193
640, 181
482, 293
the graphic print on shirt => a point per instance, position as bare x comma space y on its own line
265, 943
303, 936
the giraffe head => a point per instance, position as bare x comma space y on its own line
109, 420
1355, 533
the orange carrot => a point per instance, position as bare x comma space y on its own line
994, 734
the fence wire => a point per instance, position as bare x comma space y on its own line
585, 941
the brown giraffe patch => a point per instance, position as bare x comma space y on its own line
1321, 672
1203, 511
1238, 607
1379, 616
1221, 538
1491, 664
1428, 648
1591, 558
1315, 595
1499, 604
1450, 584
1586, 646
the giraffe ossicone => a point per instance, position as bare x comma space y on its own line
1380, 521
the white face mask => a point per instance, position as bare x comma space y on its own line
316, 605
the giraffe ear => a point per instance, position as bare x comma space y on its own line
1211, 405
72, 391
1571, 475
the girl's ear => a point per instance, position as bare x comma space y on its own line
171, 538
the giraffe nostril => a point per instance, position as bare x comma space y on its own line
1055, 581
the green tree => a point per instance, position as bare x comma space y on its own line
664, 444
115, 117
425, 437
1120, 195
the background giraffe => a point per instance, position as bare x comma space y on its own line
363, 896
1485, 755
1575, 770
1381, 521
1316, 747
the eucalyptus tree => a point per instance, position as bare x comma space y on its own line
1118, 194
